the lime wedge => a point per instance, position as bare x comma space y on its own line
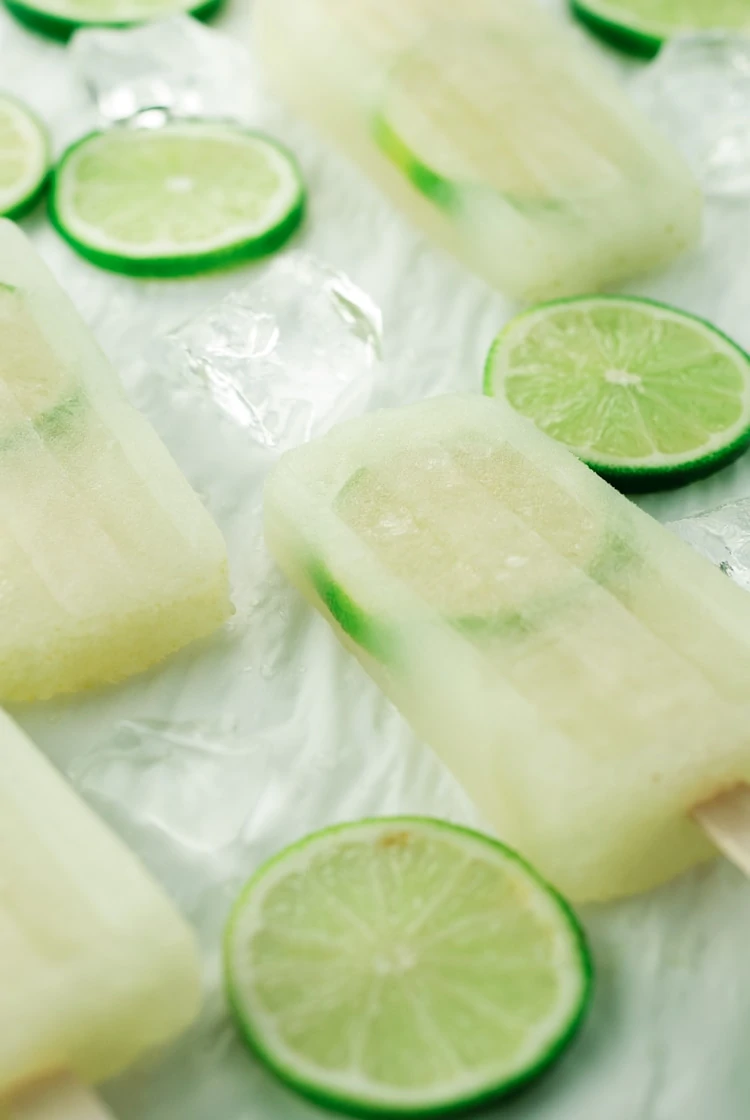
60, 18
648, 396
404, 966
24, 158
641, 26
459, 107
177, 200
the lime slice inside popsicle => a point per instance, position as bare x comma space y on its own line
404, 967
460, 107
452, 523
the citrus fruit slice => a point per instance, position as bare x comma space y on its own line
177, 200
439, 518
649, 396
60, 18
24, 158
404, 966
641, 26
459, 107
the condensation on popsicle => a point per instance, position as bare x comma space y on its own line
96, 965
582, 671
494, 128
108, 560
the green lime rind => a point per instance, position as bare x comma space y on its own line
636, 477
180, 264
447, 195
329, 1096
62, 27
373, 636
27, 202
25, 205
435, 187
626, 38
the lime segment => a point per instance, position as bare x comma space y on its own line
24, 158
404, 966
648, 396
641, 26
176, 200
60, 18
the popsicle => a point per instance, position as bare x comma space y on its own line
96, 965
581, 670
108, 560
495, 128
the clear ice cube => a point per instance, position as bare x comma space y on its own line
286, 357
174, 67
722, 535
697, 92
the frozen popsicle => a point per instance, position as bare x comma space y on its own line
96, 965
499, 132
582, 671
108, 560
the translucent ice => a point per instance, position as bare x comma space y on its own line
195, 783
698, 93
285, 357
722, 535
175, 66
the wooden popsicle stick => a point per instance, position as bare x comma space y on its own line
726, 821
61, 1099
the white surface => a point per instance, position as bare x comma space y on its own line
298, 737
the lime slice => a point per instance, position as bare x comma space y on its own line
404, 966
459, 108
176, 200
648, 396
641, 26
60, 18
24, 158
457, 525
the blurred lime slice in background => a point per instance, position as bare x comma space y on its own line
641, 26
24, 158
60, 18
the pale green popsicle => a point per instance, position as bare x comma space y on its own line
108, 560
96, 965
581, 670
494, 128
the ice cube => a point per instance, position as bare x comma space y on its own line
174, 67
285, 357
194, 783
722, 535
697, 92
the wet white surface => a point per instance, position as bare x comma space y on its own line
246, 742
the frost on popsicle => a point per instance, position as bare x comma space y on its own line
581, 671
108, 561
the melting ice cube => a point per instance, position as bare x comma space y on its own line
286, 357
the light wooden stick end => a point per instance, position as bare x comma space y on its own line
62, 1099
726, 820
